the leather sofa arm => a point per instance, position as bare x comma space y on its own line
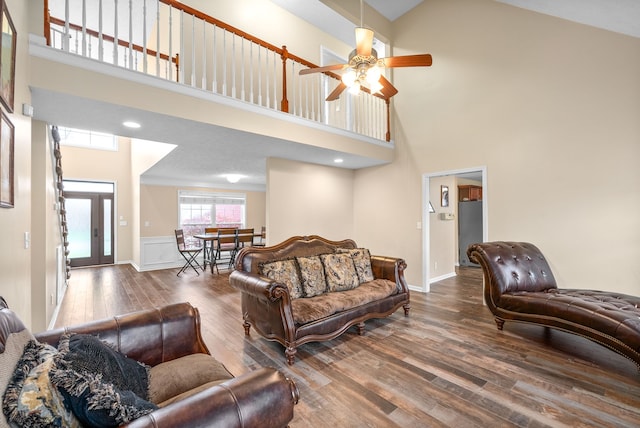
258, 286
390, 268
238, 402
152, 336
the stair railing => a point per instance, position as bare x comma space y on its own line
173, 41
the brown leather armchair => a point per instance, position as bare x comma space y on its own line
262, 398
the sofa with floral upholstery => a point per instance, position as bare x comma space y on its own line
149, 368
310, 288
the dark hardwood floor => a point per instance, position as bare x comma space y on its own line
446, 365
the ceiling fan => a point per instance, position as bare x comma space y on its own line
365, 68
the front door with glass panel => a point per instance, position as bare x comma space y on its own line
90, 224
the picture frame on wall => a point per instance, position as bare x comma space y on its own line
7, 57
444, 196
6, 161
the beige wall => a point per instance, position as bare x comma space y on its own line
550, 107
268, 21
45, 230
104, 165
159, 208
16, 261
305, 199
443, 233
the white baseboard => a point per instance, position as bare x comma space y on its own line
441, 277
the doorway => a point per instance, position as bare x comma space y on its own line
433, 242
90, 211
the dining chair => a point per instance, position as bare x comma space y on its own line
261, 239
227, 242
245, 239
188, 252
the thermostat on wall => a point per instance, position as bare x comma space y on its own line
447, 216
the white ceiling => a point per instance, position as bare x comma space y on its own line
187, 163
620, 16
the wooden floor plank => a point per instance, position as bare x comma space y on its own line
444, 365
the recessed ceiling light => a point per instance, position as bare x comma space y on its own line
131, 124
233, 178
338, 160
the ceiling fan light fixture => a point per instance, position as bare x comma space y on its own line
349, 77
354, 89
373, 75
376, 87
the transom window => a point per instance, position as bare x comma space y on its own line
87, 139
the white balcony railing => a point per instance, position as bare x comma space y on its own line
172, 41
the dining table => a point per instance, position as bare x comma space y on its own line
210, 242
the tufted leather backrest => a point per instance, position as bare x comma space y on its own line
512, 266
249, 258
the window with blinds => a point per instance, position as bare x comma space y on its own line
207, 209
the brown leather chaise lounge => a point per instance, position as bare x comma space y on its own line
169, 340
519, 286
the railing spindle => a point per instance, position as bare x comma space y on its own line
251, 73
157, 38
193, 51
242, 75
215, 60
131, 34
67, 34
259, 77
224, 63
204, 55
266, 78
275, 80
144, 36
233, 65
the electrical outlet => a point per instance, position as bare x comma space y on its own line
435, 265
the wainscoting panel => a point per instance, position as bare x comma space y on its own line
159, 252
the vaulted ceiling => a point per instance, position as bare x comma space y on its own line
621, 16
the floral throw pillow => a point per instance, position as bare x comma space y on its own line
362, 261
340, 271
286, 272
30, 399
312, 276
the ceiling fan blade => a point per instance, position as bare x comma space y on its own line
364, 41
388, 90
335, 94
323, 69
423, 60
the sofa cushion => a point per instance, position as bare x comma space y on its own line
30, 399
315, 308
175, 377
312, 275
191, 392
340, 272
286, 272
362, 261
102, 386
